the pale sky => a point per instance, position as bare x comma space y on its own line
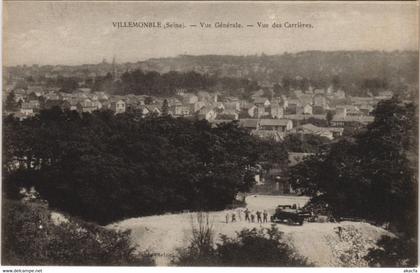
82, 32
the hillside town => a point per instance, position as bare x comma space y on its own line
325, 112
328, 113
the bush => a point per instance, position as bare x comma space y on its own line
393, 252
250, 247
200, 251
301, 143
254, 247
30, 237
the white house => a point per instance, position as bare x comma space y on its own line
307, 109
207, 113
260, 101
118, 106
276, 111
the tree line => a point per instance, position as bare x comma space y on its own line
140, 82
105, 167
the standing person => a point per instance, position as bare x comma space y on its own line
339, 231
252, 218
247, 215
233, 217
240, 215
227, 218
312, 219
265, 216
259, 220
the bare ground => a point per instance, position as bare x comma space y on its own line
320, 243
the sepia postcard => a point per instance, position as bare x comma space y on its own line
210, 134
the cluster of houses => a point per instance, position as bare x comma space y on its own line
277, 116
32, 100
267, 117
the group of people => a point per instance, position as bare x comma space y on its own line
250, 216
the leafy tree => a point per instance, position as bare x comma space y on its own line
336, 82
67, 84
372, 176
30, 79
389, 159
374, 85
304, 143
272, 154
286, 83
104, 83
278, 90
375, 163
10, 103
42, 102
329, 117
165, 107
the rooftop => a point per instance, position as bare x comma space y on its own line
274, 122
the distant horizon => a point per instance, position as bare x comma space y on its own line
109, 60
75, 33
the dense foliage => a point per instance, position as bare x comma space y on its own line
10, 103
166, 84
394, 252
250, 247
305, 143
31, 237
104, 167
372, 175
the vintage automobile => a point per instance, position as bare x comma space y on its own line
289, 215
